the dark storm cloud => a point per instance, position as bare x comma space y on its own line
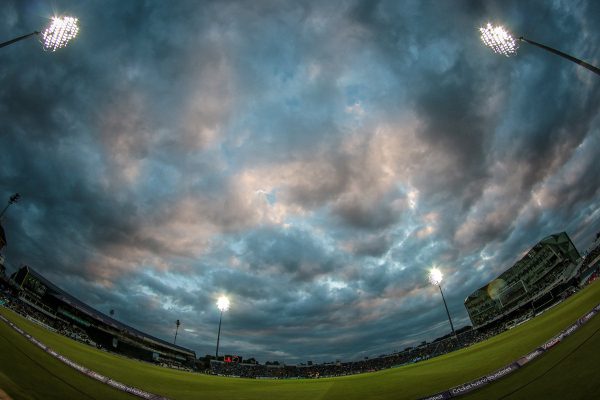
289, 252
312, 161
373, 246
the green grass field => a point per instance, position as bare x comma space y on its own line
567, 371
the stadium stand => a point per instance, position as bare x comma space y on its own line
41, 300
590, 264
534, 282
410, 355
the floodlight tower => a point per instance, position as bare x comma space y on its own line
435, 278
55, 36
502, 42
11, 200
222, 305
177, 323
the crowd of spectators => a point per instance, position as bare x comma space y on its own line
50, 322
548, 281
591, 257
590, 266
74, 332
408, 356
174, 365
28, 308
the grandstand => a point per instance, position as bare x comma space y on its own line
531, 284
60, 309
590, 263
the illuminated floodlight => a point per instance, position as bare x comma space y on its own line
502, 42
223, 303
435, 276
499, 40
60, 31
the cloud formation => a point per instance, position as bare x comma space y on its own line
312, 161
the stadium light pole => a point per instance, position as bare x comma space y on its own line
11, 200
177, 323
502, 42
435, 278
55, 36
222, 305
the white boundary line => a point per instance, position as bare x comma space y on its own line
86, 371
510, 368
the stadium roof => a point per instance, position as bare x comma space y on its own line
65, 297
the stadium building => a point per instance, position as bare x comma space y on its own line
532, 283
104, 331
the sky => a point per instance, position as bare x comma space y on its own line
311, 160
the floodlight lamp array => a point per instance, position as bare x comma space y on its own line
435, 276
223, 303
60, 31
499, 40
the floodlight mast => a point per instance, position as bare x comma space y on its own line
502, 42
435, 278
55, 36
222, 305
564, 55
177, 323
9, 42
11, 200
